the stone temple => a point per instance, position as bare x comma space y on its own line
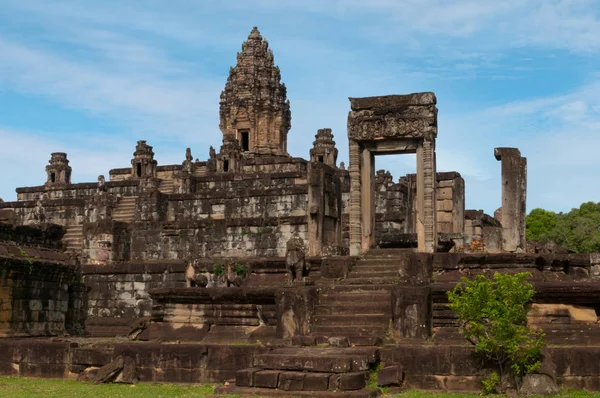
287, 275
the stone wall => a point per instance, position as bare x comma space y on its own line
39, 294
155, 362
119, 293
75, 191
46, 235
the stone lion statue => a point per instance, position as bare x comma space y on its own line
295, 259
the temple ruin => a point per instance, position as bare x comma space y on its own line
322, 272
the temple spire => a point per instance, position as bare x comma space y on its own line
254, 107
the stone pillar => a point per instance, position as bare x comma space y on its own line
367, 191
316, 208
514, 197
426, 226
355, 203
458, 205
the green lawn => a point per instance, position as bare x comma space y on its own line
19, 387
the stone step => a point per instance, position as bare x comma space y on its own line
383, 307
356, 289
376, 267
123, 212
353, 298
348, 330
313, 359
387, 252
351, 341
271, 392
372, 274
124, 208
301, 381
389, 281
390, 261
359, 320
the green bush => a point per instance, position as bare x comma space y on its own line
218, 270
492, 314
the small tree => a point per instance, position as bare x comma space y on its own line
493, 316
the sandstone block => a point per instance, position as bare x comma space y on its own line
390, 376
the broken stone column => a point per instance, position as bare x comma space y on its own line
514, 195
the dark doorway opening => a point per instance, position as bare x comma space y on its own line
320, 159
245, 140
138, 170
52, 177
225, 165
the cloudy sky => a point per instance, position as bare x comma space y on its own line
92, 77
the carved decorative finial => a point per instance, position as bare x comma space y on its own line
324, 150
188, 154
254, 34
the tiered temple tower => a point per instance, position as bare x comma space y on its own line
58, 170
324, 150
254, 107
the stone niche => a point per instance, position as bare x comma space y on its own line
392, 124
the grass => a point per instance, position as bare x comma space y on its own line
420, 394
21, 387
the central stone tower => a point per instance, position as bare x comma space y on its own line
254, 109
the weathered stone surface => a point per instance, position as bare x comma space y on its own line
109, 372
411, 312
316, 381
245, 377
295, 311
266, 379
406, 116
291, 381
353, 381
538, 384
390, 376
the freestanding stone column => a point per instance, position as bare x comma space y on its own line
514, 197
355, 204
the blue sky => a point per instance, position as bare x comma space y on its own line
92, 77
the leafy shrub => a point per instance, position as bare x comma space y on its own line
492, 314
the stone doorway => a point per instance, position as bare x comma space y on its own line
393, 124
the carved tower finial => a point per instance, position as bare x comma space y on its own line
143, 164
324, 150
58, 170
254, 107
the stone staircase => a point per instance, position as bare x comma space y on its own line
353, 315
125, 211
357, 311
73, 238
308, 372
200, 171
166, 186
